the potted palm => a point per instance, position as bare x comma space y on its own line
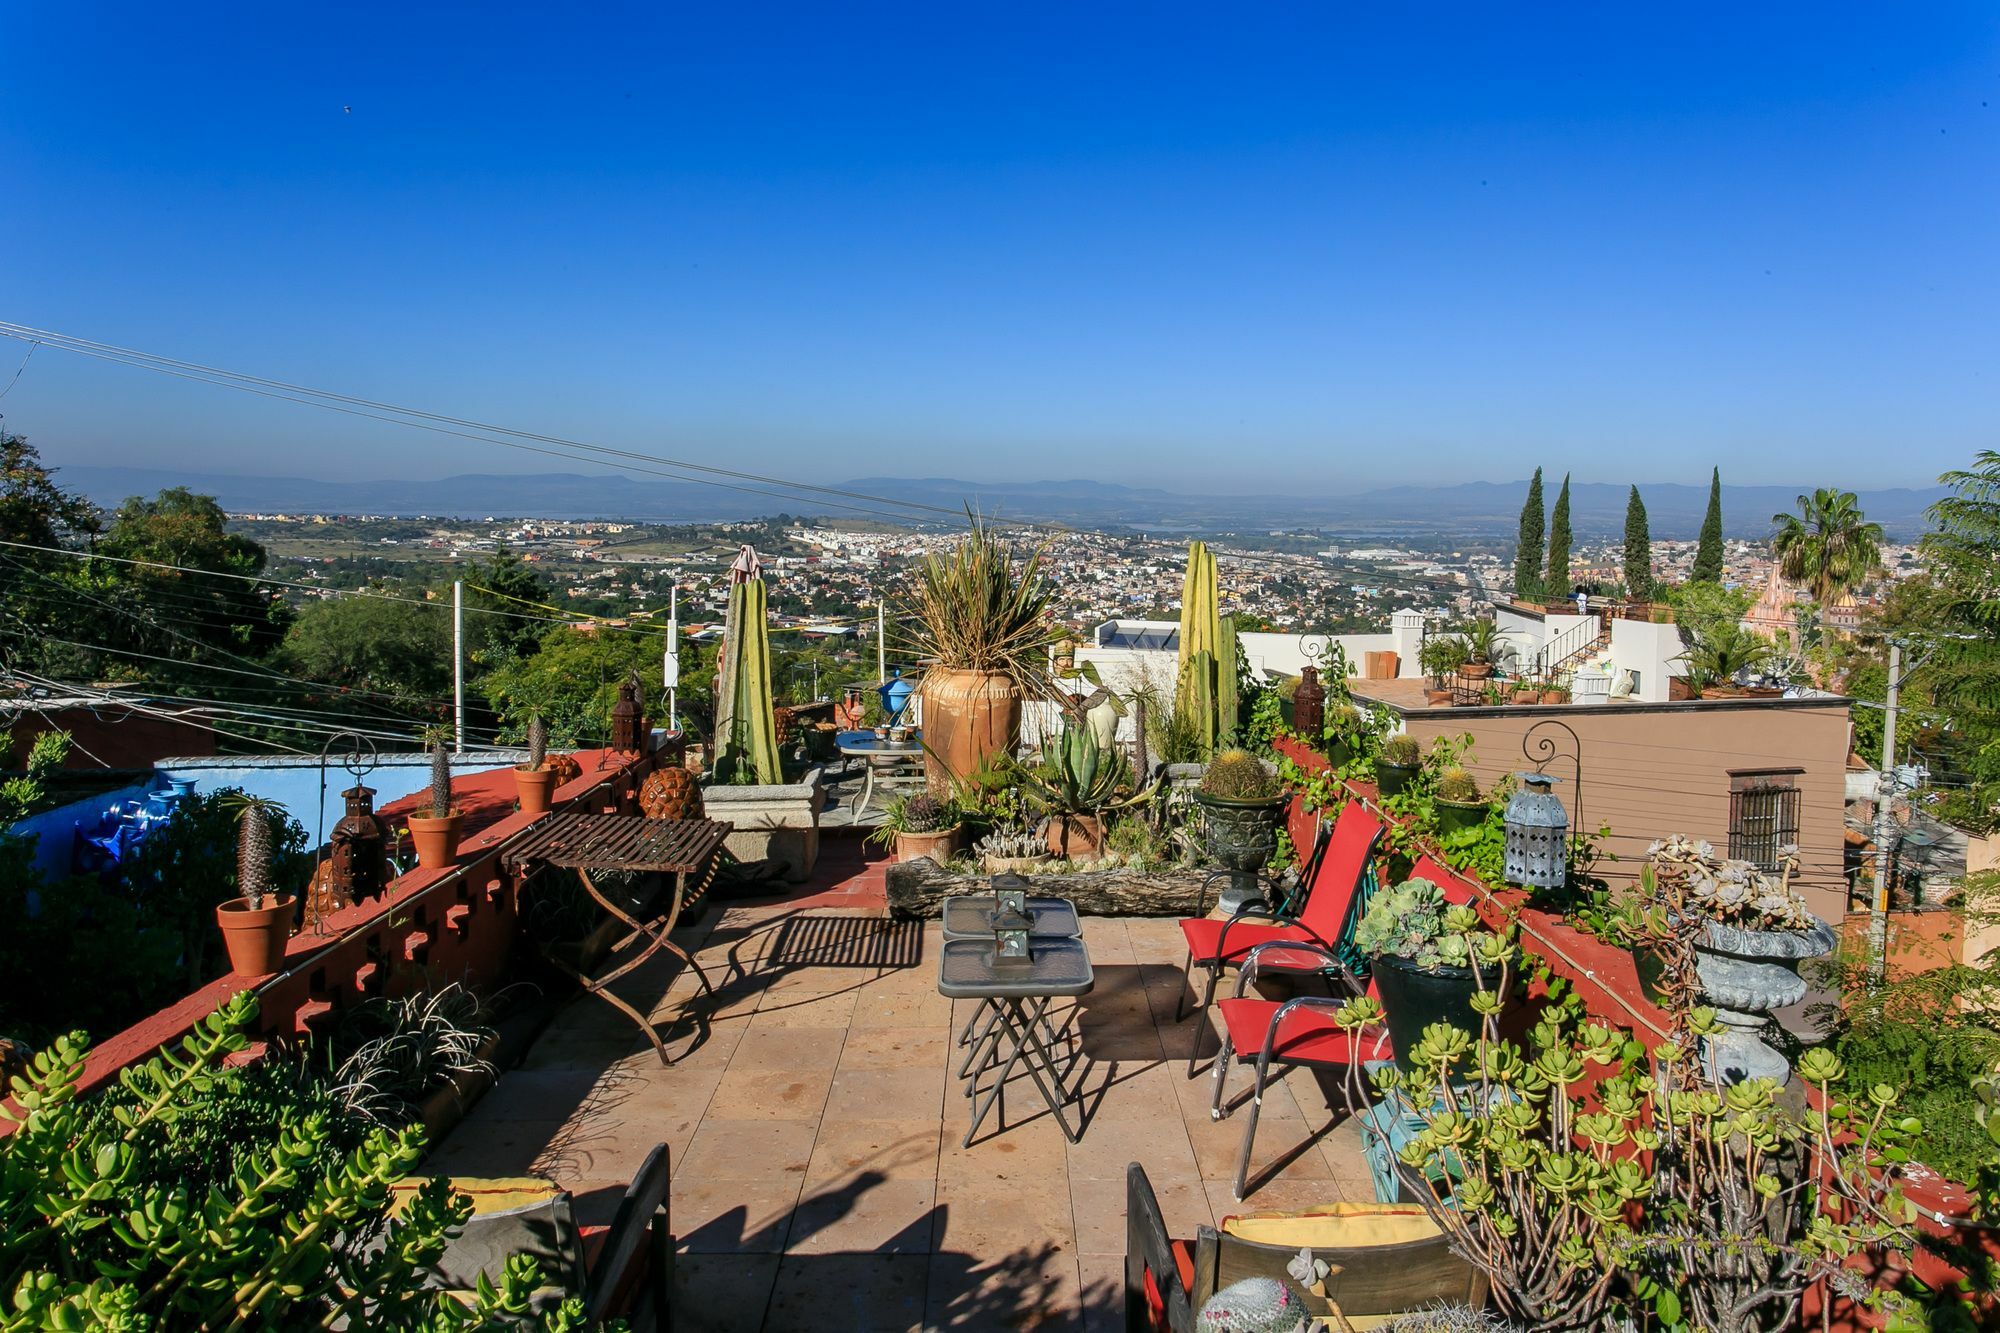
436, 832
1243, 807
1718, 654
980, 620
1438, 657
256, 924
1457, 801
1483, 639
920, 825
1398, 764
535, 781
1431, 959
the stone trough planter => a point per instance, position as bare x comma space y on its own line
916, 888
774, 823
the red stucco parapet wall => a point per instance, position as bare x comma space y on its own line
458, 924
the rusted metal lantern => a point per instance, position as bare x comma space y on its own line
1537, 849
1308, 703
628, 720
358, 848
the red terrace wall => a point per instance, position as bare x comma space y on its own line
458, 924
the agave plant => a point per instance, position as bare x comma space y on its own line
1078, 776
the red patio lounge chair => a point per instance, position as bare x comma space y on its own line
1301, 1030
1331, 885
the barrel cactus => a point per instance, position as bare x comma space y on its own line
1456, 785
1238, 775
1400, 751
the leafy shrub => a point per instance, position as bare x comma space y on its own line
101, 1233
1238, 775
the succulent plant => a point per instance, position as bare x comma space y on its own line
1456, 785
538, 743
1412, 920
924, 813
1400, 751
1013, 844
253, 853
1238, 775
440, 781
1691, 877
1342, 720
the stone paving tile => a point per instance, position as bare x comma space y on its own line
722, 1293
788, 1047
771, 1094
893, 1149
874, 1292
734, 1216
865, 1214
986, 1217
749, 1150
1023, 1289
1098, 1207
859, 1094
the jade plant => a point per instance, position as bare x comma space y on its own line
1238, 775
1599, 1182
97, 1239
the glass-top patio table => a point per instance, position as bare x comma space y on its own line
891, 761
1018, 994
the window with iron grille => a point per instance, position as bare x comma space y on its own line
1763, 814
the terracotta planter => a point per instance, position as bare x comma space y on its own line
1079, 837
1525, 697
970, 719
436, 840
1436, 697
1555, 696
937, 846
255, 939
1679, 689
1476, 670
535, 786
1725, 692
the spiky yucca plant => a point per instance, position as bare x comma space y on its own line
440, 781
983, 607
253, 853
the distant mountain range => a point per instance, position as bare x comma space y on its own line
1474, 508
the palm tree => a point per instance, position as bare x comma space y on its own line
1828, 545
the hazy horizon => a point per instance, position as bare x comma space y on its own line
1296, 252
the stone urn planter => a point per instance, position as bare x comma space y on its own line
779, 822
1241, 837
1746, 975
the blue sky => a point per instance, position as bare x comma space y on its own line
1307, 248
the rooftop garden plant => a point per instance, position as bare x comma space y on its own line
1441, 655
1717, 653
1238, 775
1456, 785
1401, 751
99, 1236
1686, 874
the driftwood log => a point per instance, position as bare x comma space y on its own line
917, 887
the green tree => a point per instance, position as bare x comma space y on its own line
1638, 550
1959, 623
374, 644
1708, 554
1528, 549
1828, 545
34, 510
193, 597
1560, 539
572, 680
35, 603
514, 598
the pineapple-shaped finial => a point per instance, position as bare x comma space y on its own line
440, 781
538, 743
253, 854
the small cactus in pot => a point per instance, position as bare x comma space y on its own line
1458, 801
535, 780
436, 831
1243, 806
1398, 764
256, 924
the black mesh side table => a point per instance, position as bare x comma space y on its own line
969, 916
1020, 994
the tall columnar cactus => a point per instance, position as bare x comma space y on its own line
253, 854
440, 781
1206, 691
747, 733
538, 743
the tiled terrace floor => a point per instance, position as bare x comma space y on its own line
815, 1127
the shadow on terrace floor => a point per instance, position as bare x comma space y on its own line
816, 1121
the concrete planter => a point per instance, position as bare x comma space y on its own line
774, 823
1746, 975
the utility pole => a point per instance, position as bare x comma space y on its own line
673, 663
458, 664
1885, 824
881, 641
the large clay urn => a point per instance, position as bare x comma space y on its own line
970, 719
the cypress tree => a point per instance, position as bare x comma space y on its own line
1557, 583
1638, 550
1528, 550
1708, 555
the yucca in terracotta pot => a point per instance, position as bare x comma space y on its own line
255, 925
